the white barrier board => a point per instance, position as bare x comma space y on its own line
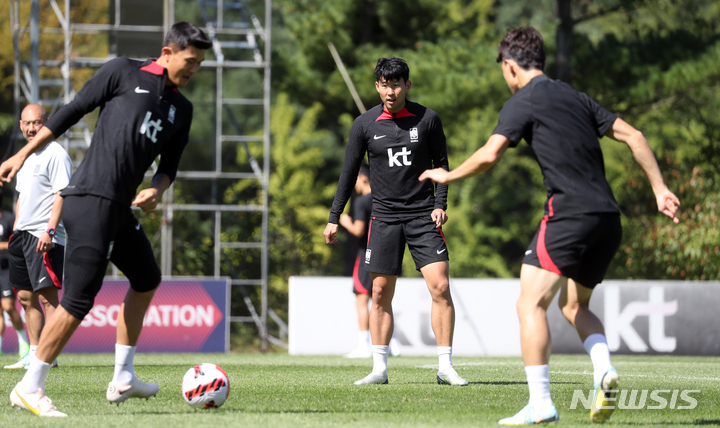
640, 317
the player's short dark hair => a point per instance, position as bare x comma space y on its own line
364, 170
184, 34
524, 45
392, 69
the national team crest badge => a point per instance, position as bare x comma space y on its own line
414, 135
171, 114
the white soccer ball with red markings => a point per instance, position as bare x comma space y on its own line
205, 386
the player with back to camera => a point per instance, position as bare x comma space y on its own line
581, 230
37, 247
7, 296
142, 116
358, 225
401, 138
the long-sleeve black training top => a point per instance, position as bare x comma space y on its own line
400, 146
140, 118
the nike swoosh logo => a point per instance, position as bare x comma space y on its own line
137, 226
528, 252
42, 279
377, 138
141, 91
441, 251
34, 410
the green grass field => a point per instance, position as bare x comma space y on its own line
278, 390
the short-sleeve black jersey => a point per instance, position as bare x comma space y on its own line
562, 126
6, 229
140, 118
362, 211
400, 146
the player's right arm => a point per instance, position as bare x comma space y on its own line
94, 93
667, 202
354, 153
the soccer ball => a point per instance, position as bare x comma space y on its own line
205, 386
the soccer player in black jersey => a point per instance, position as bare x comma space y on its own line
142, 116
402, 139
581, 230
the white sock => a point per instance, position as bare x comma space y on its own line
380, 356
22, 336
0, 342
444, 357
538, 378
33, 349
364, 339
35, 376
597, 347
124, 370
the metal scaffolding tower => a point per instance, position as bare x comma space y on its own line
240, 42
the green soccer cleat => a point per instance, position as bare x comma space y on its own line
605, 393
24, 363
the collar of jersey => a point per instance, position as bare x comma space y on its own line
387, 115
154, 68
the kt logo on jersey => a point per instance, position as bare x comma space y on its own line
151, 127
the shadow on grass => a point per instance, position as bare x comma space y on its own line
520, 383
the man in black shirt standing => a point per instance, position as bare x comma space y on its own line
402, 139
142, 116
580, 232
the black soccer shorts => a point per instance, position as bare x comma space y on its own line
31, 271
100, 231
580, 248
386, 244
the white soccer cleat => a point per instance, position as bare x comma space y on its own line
373, 378
530, 415
605, 393
23, 363
448, 376
137, 389
38, 403
360, 352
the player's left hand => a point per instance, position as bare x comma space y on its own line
147, 199
437, 175
44, 243
439, 216
330, 233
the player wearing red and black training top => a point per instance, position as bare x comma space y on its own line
142, 116
580, 231
401, 139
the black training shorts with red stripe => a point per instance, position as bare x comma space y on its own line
386, 244
580, 247
32, 271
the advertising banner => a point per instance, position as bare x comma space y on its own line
186, 315
640, 317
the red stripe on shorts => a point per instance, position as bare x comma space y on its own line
356, 277
51, 272
545, 260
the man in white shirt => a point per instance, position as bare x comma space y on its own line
37, 247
